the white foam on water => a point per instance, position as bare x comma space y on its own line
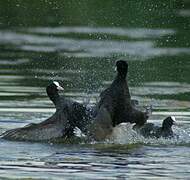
124, 134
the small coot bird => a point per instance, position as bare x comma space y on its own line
76, 112
115, 105
149, 130
61, 124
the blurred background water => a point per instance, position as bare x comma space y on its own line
77, 43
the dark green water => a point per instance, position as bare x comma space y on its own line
77, 43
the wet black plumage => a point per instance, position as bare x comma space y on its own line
152, 131
115, 105
117, 100
61, 124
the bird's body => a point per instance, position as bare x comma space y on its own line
61, 124
113, 108
149, 130
117, 100
115, 105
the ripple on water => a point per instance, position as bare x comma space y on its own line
145, 48
184, 12
161, 88
13, 62
130, 32
126, 155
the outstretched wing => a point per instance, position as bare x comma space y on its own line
53, 127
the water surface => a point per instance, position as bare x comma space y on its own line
77, 43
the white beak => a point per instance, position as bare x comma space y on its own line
174, 121
58, 86
173, 118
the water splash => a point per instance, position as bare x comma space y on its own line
124, 134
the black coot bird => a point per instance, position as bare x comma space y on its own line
149, 130
61, 124
115, 105
76, 112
